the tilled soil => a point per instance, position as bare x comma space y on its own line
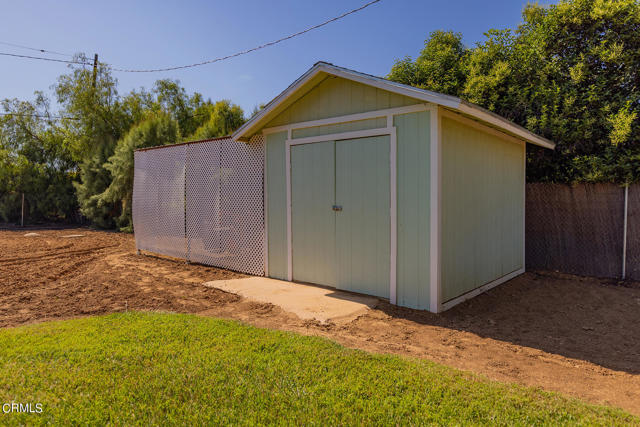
579, 336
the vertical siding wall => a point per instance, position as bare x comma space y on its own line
276, 205
335, 97
482, 208
413, 139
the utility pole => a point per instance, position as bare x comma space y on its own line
22, 216
95, 69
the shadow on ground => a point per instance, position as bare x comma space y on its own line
584, 318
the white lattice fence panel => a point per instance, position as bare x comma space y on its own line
159, 202
225, 225
242, 205
170, 164
145, 204
203, 202
204, 243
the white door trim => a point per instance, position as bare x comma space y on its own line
350, 118
389, 130
341, 136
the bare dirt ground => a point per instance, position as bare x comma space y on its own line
575, 335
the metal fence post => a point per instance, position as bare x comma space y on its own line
624, 233
184, 198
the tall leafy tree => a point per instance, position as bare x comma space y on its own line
439, 67
191, 112
224, 118
158, 129
34, 161
582, 69
570, 72
86, 161
100, 123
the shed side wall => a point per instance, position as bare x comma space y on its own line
482, 208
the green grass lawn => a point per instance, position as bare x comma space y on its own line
144, 368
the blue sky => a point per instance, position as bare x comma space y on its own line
150, 34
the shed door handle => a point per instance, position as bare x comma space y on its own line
337, 208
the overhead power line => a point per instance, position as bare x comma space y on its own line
210, 61
36, 49
262, 46
45, 59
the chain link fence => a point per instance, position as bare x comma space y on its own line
203, 202
582, 229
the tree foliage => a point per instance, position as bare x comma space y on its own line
34, 161
100, 120
439, 67
158, 129
224, 118
86, 161
569, 72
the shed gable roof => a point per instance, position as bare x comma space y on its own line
336, 96
321, 70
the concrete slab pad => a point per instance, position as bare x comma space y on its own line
308, 302
31, 235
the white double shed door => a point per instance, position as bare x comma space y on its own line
340, 214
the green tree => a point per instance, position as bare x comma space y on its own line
86, 159
100, 122
158, 129
491, 80
191, 112
224, 118
257, 109
440, 67
582, 62
569, 72
34, 161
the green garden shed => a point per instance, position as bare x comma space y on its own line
384, 189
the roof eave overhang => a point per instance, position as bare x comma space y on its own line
451, 102
500, 122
